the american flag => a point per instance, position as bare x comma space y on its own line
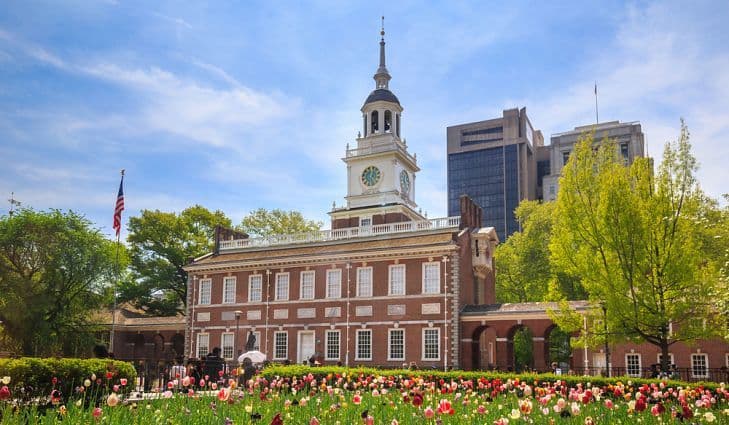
119, 206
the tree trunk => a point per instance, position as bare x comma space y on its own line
665, 359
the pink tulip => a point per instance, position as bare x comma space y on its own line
429, 412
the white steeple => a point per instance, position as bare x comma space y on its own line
380, 170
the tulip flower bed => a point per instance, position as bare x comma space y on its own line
359, 396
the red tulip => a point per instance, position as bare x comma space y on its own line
277, 420
4, 393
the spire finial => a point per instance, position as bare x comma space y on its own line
382, 77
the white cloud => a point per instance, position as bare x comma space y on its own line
654, 72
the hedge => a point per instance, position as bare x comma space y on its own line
432, 374
31, 377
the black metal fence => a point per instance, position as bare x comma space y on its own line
682, 374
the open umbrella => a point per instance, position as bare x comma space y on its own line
255, 356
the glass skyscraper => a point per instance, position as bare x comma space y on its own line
493, 162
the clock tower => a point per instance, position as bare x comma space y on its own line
380, 170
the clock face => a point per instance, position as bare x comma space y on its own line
404, 182
371, 175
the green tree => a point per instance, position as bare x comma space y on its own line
160, 244
523, 343
524, 271
54, 268
631, 235
262, 222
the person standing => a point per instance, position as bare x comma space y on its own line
213, 365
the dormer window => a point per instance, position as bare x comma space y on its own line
375, 122
388, 122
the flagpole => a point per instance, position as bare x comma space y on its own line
597, 117
116, 262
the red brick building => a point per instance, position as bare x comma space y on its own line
386, 285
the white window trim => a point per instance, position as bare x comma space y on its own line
313, 284
640, 365
358, 283
209, 283
275, 334
250, 288
726, 360
226, 281
288, 286
670, 358
367, 217
706, 357
437, 266
404, 279
328, 283
356, 345
389, 347
422, 345
326, 344
222, 345
197, 344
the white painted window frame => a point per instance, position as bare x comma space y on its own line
276, 345
334, 289
253, 281
280, 294
390, 280
628, 367
327, 341
302, 278
436, 265
226, 283
208, 285
357, 345
359, 292
706, 365
423, 344
390, 346
223, 346
202, 353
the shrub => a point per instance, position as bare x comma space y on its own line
529, 378
33, 378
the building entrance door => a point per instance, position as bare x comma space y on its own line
305, 346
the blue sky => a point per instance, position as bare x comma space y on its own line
240, 105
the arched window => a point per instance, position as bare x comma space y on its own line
388, 122
364, 124
375, 122
397, 124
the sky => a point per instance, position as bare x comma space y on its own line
244, 105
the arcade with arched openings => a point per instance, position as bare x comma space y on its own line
514, 337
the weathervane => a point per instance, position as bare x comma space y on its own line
13, 203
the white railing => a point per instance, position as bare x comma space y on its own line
347, 233
379, 148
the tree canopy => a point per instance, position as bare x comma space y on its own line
639, 243
54, 272
262, 222
160, 244
525, 271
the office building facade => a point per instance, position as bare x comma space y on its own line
493, 163
628, 139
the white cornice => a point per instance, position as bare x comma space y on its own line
370, 254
